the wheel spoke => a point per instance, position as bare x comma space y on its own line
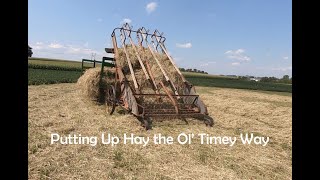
110, 99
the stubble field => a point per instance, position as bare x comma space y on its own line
59, 108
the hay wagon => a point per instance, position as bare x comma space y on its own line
144, 79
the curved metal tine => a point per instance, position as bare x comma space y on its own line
140, 40
127, 28
157, 47
152, 42
162, 40
123, 35
139, 33
158, 32
154, 46
145, 32
160, 66
125, 25
113, 33
160, 36
154, 37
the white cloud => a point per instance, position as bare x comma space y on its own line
235, 64
55, 46
64, 51
285, 57
151, 7
237, 55
99, 19
186, 45
289, 68
37, 46
207, 63
126, 20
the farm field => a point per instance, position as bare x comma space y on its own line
46, 76
58, 62
59, 108
71, 71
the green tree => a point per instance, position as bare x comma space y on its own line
285, 79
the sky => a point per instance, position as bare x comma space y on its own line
221, 37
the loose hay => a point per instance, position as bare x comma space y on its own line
147, 57
89, 82
58, 108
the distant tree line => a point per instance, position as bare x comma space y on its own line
285, 79
192, 70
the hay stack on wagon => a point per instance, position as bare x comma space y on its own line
146, 56
89, 81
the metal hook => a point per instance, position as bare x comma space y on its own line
143, 29
153, 35
138, 36
157, 46
113, 33
123, 35
157, 32
162, 39
146, 32
129, 34
127, 28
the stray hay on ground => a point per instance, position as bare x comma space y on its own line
60, 109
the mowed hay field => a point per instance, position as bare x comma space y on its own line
59, 108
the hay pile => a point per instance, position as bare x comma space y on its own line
89, 82
146, 56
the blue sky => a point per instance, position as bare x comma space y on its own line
240, 37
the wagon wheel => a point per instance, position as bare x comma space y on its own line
208, 120
110, 99
147, 123
118, 89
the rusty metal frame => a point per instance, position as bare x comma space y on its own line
187, 104
144, 34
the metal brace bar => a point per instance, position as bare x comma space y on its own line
128, 60
166, 52
136, 52
156, 59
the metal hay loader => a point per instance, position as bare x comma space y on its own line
166, 97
